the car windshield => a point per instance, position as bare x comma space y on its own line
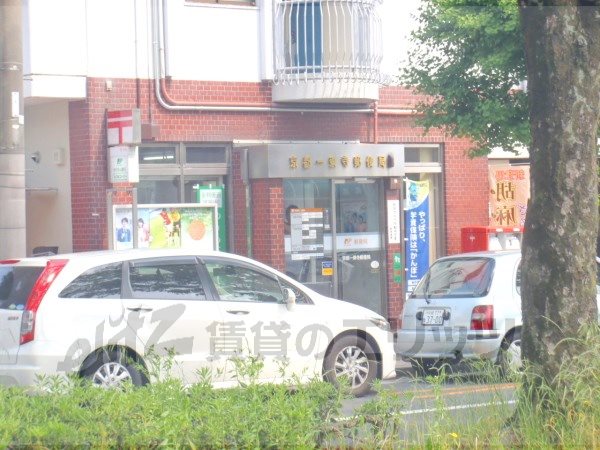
16, 284
458, 277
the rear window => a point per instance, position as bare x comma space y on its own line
16, 284
461, 277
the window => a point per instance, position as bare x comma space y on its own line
301, 297
16, 284
99, 282
157, 155
460, 277
205, 155
166, 281
169, 172
225, 2
242, 284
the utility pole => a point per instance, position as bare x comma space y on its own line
12, 154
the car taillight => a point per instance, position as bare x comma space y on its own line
9, 261
40, 288
482, 318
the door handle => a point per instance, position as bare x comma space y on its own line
238, 312
139, 308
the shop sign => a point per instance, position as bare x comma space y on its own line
330, 160
509, 194
189, 226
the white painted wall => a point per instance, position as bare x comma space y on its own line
112, 39
48, 212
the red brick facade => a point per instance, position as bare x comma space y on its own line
465, 180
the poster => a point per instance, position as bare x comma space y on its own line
509, 194
189, 226
417, 232
306, 234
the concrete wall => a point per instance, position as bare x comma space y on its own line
48, 180
113, 39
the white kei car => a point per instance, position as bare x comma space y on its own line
105, 315
467, 306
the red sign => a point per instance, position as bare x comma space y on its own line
123, 127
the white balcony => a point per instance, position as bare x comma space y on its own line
327, 51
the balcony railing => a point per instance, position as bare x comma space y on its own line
328, 40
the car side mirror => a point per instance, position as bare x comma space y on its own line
289, 298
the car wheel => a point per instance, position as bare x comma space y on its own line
509, 357
351, 358
111, 369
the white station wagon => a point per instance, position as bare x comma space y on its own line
467, 306
102, 315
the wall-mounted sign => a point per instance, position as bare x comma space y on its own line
123, 164
325, 160
397, 267
123, 127
189, 226
393, 221
307, 233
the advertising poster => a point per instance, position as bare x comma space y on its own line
417, 231
167, 226
509, 193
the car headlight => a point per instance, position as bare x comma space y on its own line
380, 323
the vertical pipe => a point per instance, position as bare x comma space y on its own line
13, 238
375, 124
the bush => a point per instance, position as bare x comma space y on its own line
167, 415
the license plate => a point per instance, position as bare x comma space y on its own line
433, 317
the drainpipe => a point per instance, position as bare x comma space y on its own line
375, 123
167, 102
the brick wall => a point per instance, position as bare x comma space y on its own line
465, 180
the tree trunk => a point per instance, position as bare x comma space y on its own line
562, 46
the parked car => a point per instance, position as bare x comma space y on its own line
109, 315
466, 307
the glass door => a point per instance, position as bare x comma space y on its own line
333, 238
358, 253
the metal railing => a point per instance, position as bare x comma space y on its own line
331, 40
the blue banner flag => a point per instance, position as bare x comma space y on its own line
417, 231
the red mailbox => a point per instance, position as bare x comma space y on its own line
479, 238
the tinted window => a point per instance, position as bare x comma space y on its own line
16, 284
99, 282
168, 281
241, 284
461, 277
518, 279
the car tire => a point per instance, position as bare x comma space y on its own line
110, 369
352, 357
509, 356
